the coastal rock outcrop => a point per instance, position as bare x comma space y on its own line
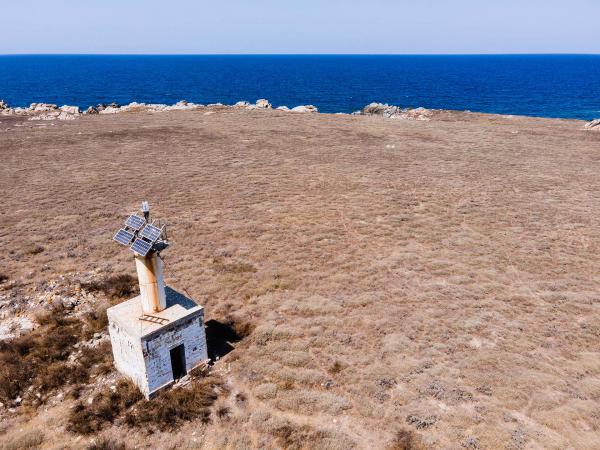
263, 103
305, 109
54, 115
70, 109
242, 104
3, 105
395, 112
147, 107
593, 125
42, 107
109, 110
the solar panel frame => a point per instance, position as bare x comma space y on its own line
151, 233
135, 222
141, 247
123, 236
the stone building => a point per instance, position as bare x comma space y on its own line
158, 336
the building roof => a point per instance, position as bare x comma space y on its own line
128, 315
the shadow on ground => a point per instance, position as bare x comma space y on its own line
220, 338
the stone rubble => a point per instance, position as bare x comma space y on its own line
20, 300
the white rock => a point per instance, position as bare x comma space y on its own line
110, 110
64, 116
305, 109
593, 125
41, 107
70, 109
283, 108
53, 115
263, 103
395, 112
4, 105
242, 104
381, 109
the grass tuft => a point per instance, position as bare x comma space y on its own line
116, 287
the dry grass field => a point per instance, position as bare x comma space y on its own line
400, 284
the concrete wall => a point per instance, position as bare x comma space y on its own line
158, 346
128, 355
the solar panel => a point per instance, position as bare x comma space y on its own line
141, 247
135, 222
151, 233
123, 237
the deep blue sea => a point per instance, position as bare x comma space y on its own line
534, 85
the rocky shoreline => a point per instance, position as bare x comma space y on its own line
48, 111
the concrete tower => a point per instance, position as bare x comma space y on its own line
158, 336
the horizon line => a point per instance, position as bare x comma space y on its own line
304, 54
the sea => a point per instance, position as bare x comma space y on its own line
566, 86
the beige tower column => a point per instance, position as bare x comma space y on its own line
152, 285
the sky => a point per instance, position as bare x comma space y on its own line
307, 26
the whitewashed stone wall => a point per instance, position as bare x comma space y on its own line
128, 356
157, 349
147, 360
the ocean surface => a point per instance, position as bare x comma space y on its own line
534, 85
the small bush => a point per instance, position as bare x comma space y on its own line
233, 267
223, 412
169, 409
96, 321
336, 367
34, 249
40, 358
406, 440
241, 328
105, 408
23, 441
116, 287
106, 444
27, 360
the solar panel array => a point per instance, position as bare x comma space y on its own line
123, 236
135, 222
151, 233
142, 234
141, 247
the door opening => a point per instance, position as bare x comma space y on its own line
178, 362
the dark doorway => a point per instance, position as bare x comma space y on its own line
178, 362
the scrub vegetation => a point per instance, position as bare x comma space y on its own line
373, 283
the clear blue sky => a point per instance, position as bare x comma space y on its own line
307, 26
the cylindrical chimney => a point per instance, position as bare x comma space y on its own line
152, 285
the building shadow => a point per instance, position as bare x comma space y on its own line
220, 338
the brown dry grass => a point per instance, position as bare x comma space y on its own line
36, 364
439, 276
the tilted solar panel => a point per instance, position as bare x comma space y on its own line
123, 237
141, 247
135, 222
151, 233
